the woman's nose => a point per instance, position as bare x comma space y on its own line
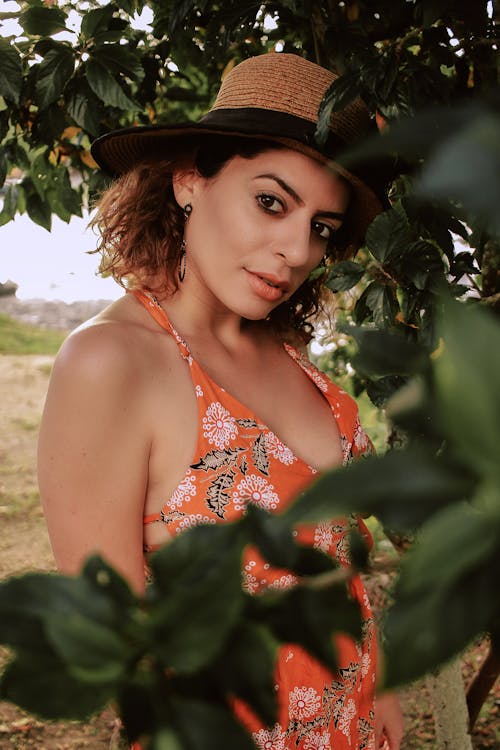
295, 245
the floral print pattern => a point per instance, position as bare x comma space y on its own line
257, 490
219, 427
238, 460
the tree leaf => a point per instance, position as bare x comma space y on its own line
53, 74
467, 377
96, 20
381, 300
246, 669
84, 108
201, 725
387, 353
341, 92
310, 617
92, 652
462, 545
402, 488
344, 275
43, 686
38, 20
466, 168
106, 88
39, 211
197, 581
11, 72
119, 59
388, 235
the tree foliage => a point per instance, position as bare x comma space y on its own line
424, 350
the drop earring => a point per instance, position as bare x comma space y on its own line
182, 257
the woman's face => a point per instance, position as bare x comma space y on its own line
258, 228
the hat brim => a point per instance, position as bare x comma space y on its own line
119, 151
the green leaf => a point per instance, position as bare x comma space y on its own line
96, 20
344, 275
11, 72
339, 94
106, 88
39, 211
310, 617
387, 353
53, 74
273, 537
35, 597
246, 669
466, 168
108, 582
10, 203
388, 235
40, 174
381, 300
92, 652
119, 59
39, 20
402, 488
467, 378
42, 685
201, 725
421, 262
3, 166
462, 544
165, 738
197, 581
84, 107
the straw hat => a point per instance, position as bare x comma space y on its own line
274, 96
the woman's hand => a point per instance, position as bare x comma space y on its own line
389, 722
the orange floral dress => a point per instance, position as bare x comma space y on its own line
237, 461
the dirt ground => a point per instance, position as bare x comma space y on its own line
24, 546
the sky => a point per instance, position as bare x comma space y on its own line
53, 265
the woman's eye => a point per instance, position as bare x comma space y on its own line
269, 203
324, 231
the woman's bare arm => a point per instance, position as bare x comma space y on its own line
94, 452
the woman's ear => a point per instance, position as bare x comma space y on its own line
185, 180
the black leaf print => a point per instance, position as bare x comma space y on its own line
217, 496
244, 465
248, 423
217, 458
171, 516
259, 455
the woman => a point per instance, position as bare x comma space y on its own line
189, 397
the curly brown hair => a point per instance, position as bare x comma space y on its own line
141, 228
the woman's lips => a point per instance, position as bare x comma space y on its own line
267, 286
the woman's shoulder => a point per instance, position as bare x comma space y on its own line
119, 344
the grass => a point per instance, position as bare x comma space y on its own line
21, 338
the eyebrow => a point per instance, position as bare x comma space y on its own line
296, 197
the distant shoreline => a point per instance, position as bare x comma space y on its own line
55, 314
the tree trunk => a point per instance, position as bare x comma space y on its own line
450, 708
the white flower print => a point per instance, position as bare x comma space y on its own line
323, 536
219, 427
285, 581
277, 449
304, 702
365, 665
318, 379
360, 438
184, 492
198, 390
257, 490
346, 716
193, 520
250, 582
270, 739
317, 741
